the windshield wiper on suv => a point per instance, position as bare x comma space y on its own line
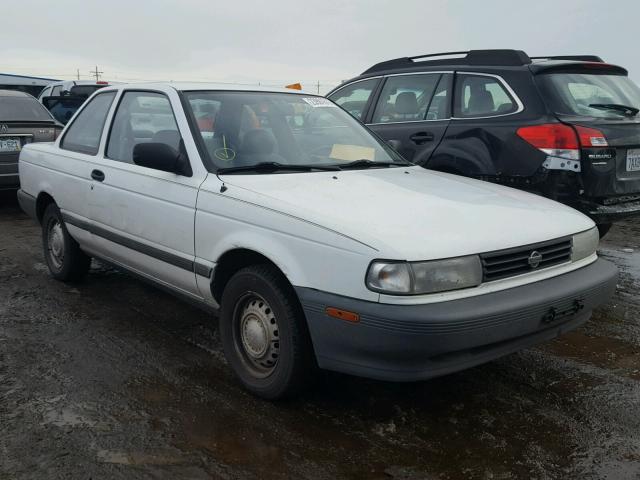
363, 163
275, 166
624, 109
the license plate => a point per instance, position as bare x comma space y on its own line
633, 160
10, 145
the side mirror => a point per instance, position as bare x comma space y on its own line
160, 156
395, 144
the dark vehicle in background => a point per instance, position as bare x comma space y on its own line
63, 99
22, 120
566, 127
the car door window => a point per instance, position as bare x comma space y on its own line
482, 96
405, 98
84, 134
141, 117
354, 98
56, 90
440, 102
45, 93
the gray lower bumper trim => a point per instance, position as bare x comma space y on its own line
413, 342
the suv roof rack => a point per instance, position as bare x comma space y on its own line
580, 58
471, 57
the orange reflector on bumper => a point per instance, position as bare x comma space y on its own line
342, 314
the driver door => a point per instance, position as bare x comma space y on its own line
143, 217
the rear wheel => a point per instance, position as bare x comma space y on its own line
264, 333
62, 253
603, 228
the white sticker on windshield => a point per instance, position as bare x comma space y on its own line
319, 102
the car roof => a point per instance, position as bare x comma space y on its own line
485, 61
14, 93
200, 86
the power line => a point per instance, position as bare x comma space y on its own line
95, 73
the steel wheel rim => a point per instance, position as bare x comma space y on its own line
256, 334
55, 244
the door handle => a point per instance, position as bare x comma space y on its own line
421, 137
97, 175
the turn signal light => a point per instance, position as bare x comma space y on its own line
342, 314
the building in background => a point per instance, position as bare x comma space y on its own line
31, 85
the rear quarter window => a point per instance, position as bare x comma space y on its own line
478, 95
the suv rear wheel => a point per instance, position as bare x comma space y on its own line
62, 253
264, 333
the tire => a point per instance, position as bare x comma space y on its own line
62, 253
603, 228
264, 333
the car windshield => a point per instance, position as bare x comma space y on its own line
15, 109
244, 129
593, 95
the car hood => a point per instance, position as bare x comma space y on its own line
412, 213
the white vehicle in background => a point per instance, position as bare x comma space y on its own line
64, 98
72, 87
315, 242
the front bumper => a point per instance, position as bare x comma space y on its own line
416, 342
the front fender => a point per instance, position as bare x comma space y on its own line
308, 254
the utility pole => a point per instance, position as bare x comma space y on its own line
318, 87
96, 73
78, 72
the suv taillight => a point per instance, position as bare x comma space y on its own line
560, 140
590, 137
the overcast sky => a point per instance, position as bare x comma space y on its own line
284, 41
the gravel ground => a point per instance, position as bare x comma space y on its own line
111, 378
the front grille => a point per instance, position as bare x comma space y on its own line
516, 261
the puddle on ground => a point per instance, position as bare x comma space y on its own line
604, 352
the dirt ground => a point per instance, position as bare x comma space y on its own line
111, 379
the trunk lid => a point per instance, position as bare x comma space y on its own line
612, 170
602, 97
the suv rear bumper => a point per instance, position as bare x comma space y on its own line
608, 213
416, 342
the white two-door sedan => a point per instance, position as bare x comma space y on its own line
315, 242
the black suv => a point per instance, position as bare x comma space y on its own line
566, 127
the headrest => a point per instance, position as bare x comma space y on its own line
481, 102
170, 137
258, 141
406, 103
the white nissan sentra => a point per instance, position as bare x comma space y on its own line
316, 243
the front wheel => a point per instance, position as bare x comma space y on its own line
62, 253
264, 333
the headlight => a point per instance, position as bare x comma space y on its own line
584, 244
414, 278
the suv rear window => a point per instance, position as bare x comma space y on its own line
588, 94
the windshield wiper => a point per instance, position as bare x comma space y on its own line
363, 163
275, 166
624, 109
